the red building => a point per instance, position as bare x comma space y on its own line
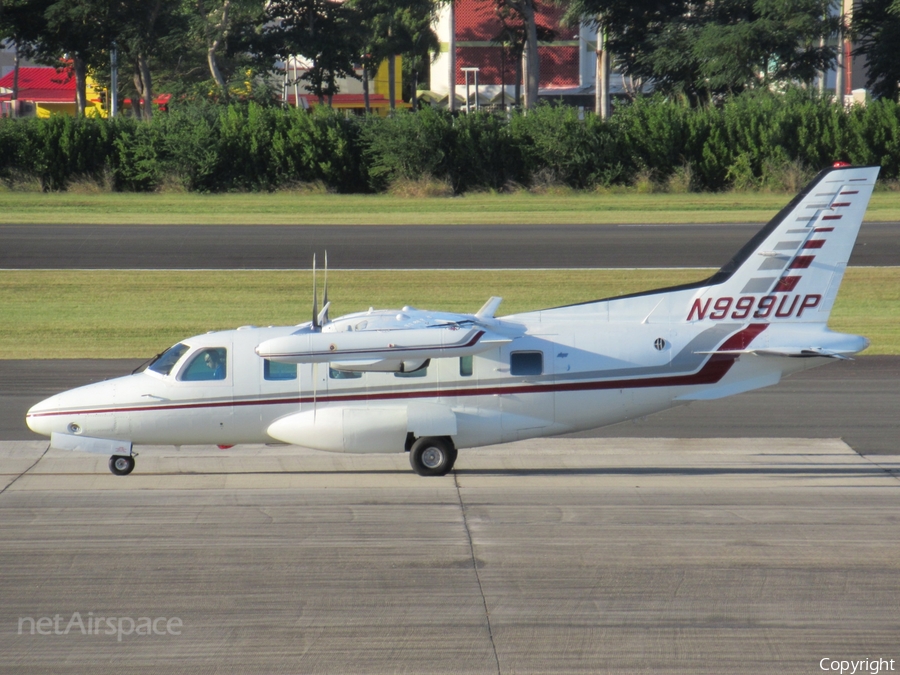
489, 39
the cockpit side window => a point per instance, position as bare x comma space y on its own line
207, 364
163, 363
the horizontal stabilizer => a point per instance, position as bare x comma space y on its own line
797, 352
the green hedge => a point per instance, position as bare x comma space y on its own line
755, 140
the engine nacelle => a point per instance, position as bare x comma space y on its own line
364, 430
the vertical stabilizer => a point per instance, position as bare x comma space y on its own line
792, 269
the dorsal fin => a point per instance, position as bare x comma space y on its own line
489, 308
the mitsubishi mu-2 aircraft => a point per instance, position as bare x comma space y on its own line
430, 383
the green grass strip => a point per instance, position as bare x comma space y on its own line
299, 208
117, 314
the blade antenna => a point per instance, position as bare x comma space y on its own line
315, 312
325, 298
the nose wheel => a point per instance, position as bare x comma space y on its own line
121, 465
431, 456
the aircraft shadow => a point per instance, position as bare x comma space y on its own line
679, 471
589, 471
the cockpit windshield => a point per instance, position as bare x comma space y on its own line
164, 362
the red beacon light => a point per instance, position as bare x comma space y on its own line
840, 165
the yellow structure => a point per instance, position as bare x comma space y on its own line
94, 107
351, 99
383, 80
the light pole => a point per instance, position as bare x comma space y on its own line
113, 80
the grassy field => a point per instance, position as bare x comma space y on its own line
289, 208
111, 314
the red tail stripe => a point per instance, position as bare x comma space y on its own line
801, 262
786, 284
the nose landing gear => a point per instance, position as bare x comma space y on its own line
121, 465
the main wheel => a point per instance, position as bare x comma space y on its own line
121, 465
431, 456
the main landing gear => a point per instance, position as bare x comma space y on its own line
432, 456
121, 465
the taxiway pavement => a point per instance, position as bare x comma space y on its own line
622, 555
549, 556
396, 247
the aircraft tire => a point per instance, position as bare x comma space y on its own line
121, 465
432, 456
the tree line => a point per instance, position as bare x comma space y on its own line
754, 140
704, 49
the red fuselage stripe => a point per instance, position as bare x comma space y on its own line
712, 371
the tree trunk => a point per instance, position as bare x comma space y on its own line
365, 84
80, 68
136, 105
14, 97
604, 85
217, 35
602, 79
531, 66
598, 75
214, 68
518, 92
392, 86
147, 86
451, 60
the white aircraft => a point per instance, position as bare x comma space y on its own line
430, 383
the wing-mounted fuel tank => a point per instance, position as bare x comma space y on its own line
364, 430
390, 340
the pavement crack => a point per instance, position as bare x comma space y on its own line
26, 470
487, 613
890, 472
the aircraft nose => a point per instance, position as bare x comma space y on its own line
37, 418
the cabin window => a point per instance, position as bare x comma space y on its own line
465, 366
526, 363
163, 363
273, 370
336, 374
207, 364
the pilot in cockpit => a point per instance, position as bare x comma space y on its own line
214, 364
